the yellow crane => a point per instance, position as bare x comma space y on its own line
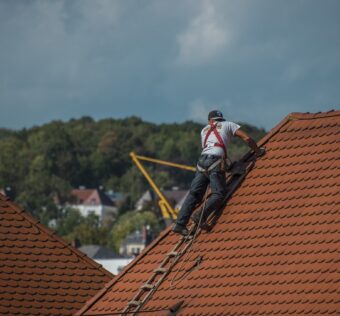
167, 210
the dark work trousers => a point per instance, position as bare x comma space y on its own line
216, 178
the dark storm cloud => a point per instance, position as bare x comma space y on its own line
167, 60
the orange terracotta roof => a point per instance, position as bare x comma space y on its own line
275, 250
90, 197
40, 274
82, 194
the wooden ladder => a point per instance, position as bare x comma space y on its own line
159, 274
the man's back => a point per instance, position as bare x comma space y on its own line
226, 130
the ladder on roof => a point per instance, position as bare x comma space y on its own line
144, 293
159, 274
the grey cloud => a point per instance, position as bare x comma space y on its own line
167, 60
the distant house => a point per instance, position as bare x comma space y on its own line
106, 257
98, 252
175, 197
146, 199
116, 197
94, 201
135, 242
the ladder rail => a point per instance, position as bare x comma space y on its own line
160, 281
165, 261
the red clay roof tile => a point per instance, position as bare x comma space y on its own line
40, 273
275, 250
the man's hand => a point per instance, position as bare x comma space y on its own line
261, 152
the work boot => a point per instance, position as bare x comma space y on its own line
179, 229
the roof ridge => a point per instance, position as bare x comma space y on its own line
310, 116
52, 234
296, 116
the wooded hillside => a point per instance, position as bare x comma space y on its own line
43, 162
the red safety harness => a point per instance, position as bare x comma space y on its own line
218, 136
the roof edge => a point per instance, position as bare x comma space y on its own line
274, 130
52, 234
108, 285
296, 116
311, 116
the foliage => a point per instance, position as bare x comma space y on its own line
86, 229
4, 132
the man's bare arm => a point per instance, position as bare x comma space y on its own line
251, 143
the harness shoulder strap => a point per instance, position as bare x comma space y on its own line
206, 137
218, 136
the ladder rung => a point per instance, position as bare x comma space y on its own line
173, 253
161, 270
147, 286
134, 303
186, 238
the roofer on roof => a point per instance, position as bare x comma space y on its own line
211, 169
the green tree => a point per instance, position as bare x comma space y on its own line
43, 191
4, 133
14, 162
55, 144
134, 183
87, 230
69, 221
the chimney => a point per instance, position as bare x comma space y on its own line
76, 243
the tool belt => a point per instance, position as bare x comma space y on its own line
220, 161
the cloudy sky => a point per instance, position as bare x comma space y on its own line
167, 60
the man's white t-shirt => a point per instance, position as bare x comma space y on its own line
225, 129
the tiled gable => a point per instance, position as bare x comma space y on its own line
40, 273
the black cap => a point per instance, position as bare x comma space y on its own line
216, 115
